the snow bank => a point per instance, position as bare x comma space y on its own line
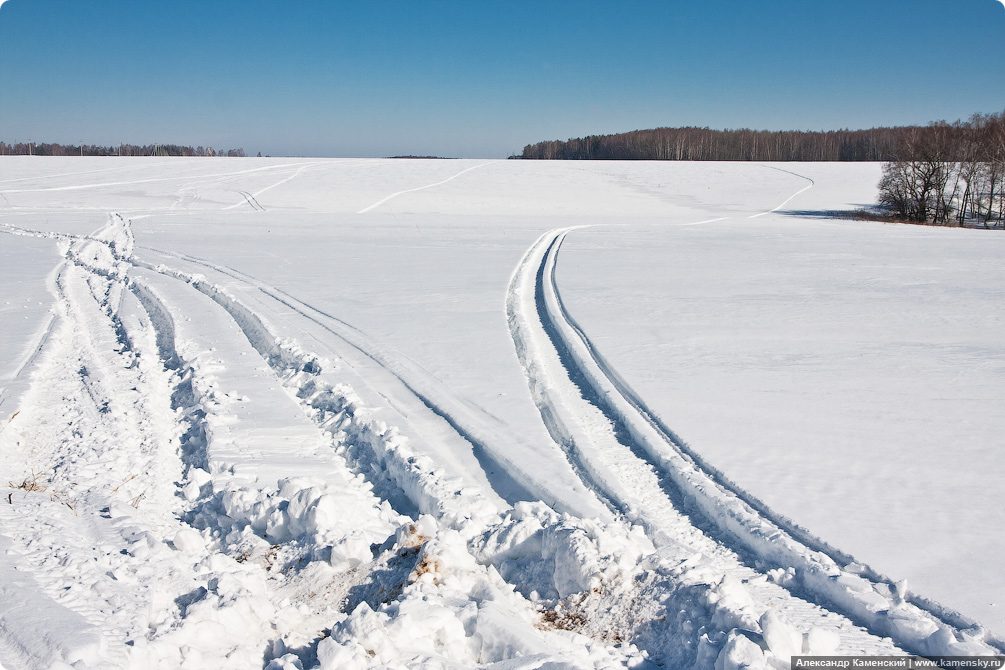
453, 611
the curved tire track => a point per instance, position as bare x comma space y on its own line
534, 304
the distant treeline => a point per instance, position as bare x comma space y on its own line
942, 173
47, 149
704, 144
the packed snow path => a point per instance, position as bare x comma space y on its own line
209, 471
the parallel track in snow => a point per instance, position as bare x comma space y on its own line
414, 479
112, 631
629, 457
490, 442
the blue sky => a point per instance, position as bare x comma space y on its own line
482, 78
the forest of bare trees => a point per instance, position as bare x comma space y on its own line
704, 144
949, 174
51, 149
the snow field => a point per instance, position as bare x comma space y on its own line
296, 480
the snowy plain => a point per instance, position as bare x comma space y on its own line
364, 413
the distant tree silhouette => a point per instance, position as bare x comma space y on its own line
704, 144
52, 149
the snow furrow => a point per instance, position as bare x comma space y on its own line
79, 187
879, 606
392, 459
490, 443
789, 199
711, 588
97, 413
459, 512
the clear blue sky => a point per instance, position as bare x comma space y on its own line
482, 78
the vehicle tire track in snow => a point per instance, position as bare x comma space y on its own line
134, 586
523, 290
441, 497
421, 188
800, 534
332, 409
581, 375
301, 369
937, 610
511, 480
508, 479
602, 447
96, 411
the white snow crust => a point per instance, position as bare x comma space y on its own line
319, 414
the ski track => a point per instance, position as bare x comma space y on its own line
682, 562
252, 198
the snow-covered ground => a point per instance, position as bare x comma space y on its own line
363, 413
